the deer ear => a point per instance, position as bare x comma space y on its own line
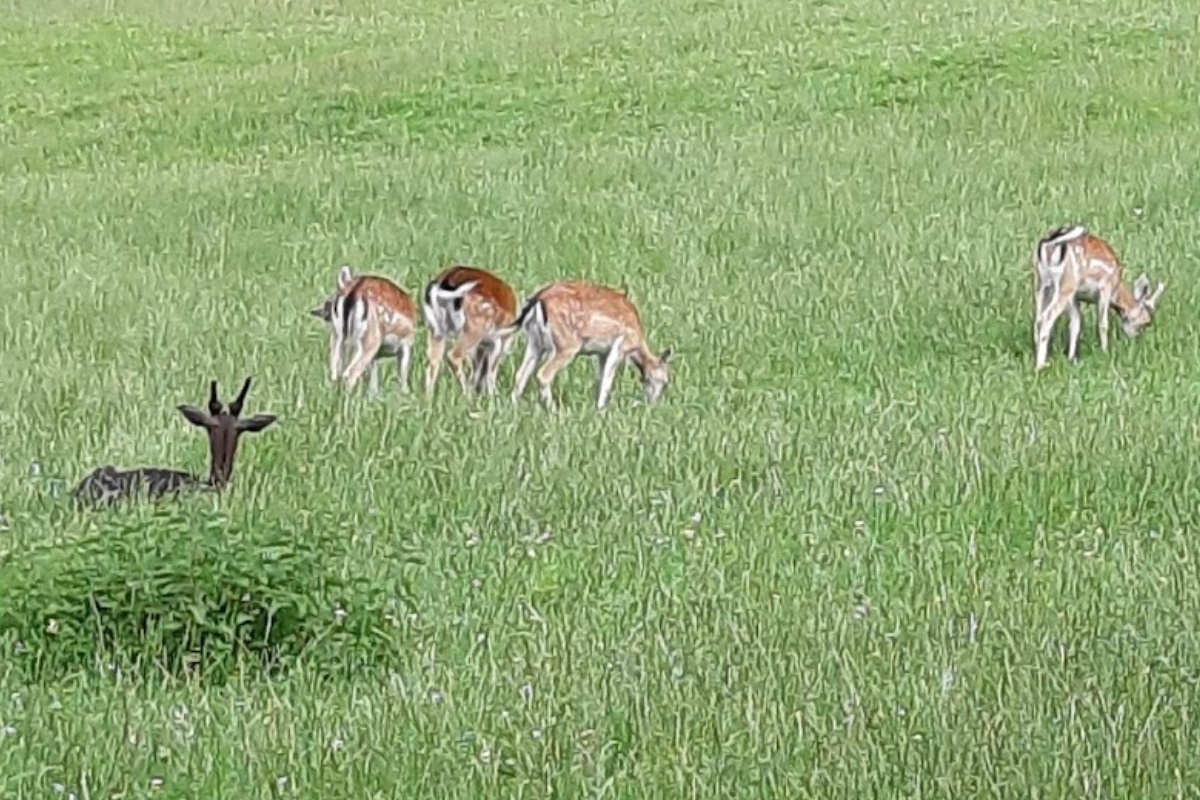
321, 312
256, 423
196, 416
666, 356
345, 276
1140, 287
1153, 299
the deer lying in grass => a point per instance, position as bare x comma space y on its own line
569, 318
471, 305
106, 485
379, 317
1071, 266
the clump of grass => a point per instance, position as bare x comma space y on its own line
179, 594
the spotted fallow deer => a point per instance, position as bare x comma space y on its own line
471, 305
107, 485
379, 317
575, 317
1072, 265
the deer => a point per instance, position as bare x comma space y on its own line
107, 485
1072, 265
470, 305
568, 318
379, 317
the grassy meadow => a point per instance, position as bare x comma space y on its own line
859, 550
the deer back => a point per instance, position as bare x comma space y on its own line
107, 485
591, 312
375, 300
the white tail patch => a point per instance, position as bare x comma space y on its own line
537, 329
443, 296
1052, 250
443, 319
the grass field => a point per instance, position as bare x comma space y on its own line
860, 549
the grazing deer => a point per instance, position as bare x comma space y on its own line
106, 485
471, 305
572, 317
1071, 266
379, 317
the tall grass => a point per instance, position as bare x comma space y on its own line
860, 549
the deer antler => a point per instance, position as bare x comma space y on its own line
214, 405
235, 408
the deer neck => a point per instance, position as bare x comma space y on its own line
1123, 300
643, 358
220, 468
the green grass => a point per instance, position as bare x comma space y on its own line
860, 549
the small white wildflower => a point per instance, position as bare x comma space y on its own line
527, 692
1137, 212
58, 788
476, 583
947, 678
473, 541
281, 782
696, 518
485, 755
35, 469
880, 490
436, 697
339, 614
8, 730
480, 637
531, 553
689, 533
544, 536
336, 744
536, 734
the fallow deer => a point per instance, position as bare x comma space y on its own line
379, 317
1072, 265
469, 304
106, 485
575, 317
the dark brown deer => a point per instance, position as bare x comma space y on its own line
107, 485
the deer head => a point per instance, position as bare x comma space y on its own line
224, 426
1139, 317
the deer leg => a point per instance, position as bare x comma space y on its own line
336, 342
1043, 291
608, 371
1074, 328
364, 356
525, 372
466, 344
1103, 306
373, 386
404, 363
495, 355
1048, 317
435, 349
550, 369
479, 366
